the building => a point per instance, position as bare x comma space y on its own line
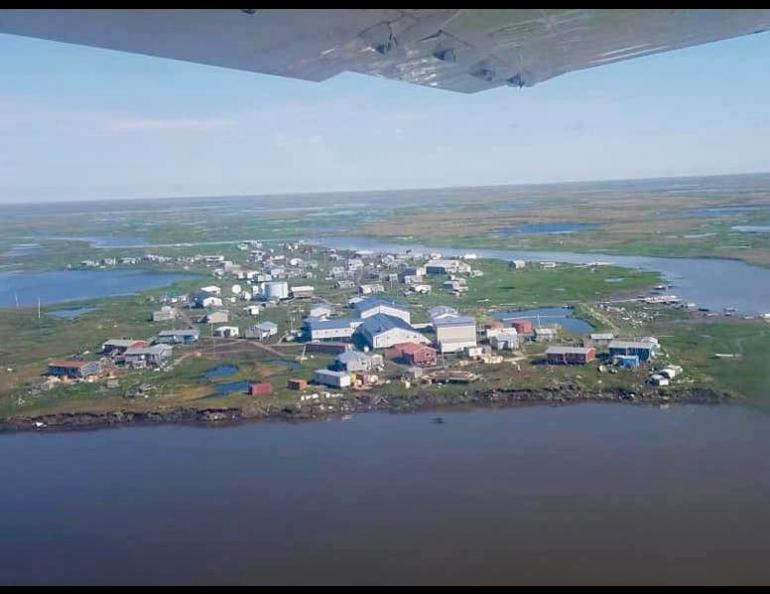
296, 384
252, 310
356, 361
329, 377
371, 289
382, 331
521, 325
260, 389
644, 349
455, 333
153, 356
413, 354
186, 336
118, 346
322, 310
371, 307
203, 299
569, 355
421, 289
262, 331
74, 368
302, 292
440, 312
277, 290
212, 289
439, 266
334, 329
227, 331
601, 339
164, 314
517, 264
546, 334
216, 317
505, 341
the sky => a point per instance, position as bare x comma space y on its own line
80, 123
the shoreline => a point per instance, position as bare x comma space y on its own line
365, 403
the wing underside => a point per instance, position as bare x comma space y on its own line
466, 50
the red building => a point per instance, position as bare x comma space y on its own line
413, 354
522, 326
260, 389
566, 355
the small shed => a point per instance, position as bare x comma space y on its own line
260, 388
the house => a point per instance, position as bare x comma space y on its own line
381, 331
322, 310
521, 325
329, 377
439, 266
333, 329
302, 292
421, 289
74, 368
371, 289
370, 307
439, 312
277, 290
569, 355
187, 336
164, 314
600, 339
658, 379
212, 289
455, 333
546, 334
517, 264
413, 354
262, 331
260, 389
356, 361
252, 310
644, 349
154, 356
226, 331
203, 299
216, 317
118, 346
505, 341
296, 384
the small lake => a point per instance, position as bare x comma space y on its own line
60, 286
544, 228
710, 282
546, 316
71, 313
220, 371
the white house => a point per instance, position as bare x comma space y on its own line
226, 331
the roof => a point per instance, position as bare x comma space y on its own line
366, 304
122, 342
567, 350
267, 326
442, 310
331, 372
184, 332
456, 321
349, 356
333, 324
412, 347
155, 349
632, 344
602, 336
379, 323
74, 363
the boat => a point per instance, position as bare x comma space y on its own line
438, 420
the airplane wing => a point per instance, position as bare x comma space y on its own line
466, 50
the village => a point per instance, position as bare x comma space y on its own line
374, 321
